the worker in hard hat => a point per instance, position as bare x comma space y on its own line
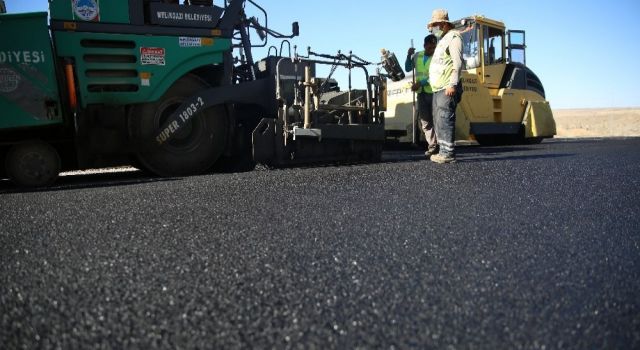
420, 61
444, 77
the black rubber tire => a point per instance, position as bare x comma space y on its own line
33, 163
195, 148
3, 172
506, 140
495, 140
528, 140
533, 140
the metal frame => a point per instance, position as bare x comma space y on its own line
523, 46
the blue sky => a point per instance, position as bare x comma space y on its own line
585, 53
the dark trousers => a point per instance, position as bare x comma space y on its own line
425, 114
444, 115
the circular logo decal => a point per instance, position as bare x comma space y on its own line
86, 10
8, 80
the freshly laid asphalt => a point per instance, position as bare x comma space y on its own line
532, 247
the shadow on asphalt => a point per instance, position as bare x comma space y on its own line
83, 181
499, 157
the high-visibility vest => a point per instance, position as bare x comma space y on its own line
442, 66
422, 71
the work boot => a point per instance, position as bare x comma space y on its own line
442, 159
431, 151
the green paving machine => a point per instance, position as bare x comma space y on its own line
172, 88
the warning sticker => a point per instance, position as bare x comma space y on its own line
152, 56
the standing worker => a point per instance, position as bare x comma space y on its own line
421, 61
444, 76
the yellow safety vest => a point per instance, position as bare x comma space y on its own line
422, 71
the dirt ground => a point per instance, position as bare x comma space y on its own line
605, 122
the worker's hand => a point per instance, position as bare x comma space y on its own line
411, 51
450, 91
415, 87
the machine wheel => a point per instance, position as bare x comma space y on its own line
195, 148
532, 140
505, 140
528, 140
495, 140
33, 164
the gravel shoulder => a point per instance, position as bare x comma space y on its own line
604, 122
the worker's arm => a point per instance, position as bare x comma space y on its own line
409, 63
455, 50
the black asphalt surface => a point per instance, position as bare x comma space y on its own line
516, 247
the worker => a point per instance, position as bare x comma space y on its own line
421, 61
444, 77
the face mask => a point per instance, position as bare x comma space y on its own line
437, 32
